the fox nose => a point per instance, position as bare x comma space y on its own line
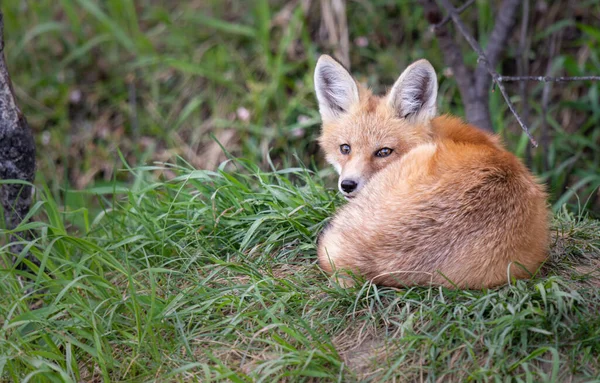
348, 186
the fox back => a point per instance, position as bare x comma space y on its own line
432, 200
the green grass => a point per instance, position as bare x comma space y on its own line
157, 272
211, 276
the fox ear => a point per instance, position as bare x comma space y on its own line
336, 89
414, 94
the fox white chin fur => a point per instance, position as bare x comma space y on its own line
432, 200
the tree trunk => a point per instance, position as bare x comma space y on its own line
17, 153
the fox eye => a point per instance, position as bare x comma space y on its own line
384, 152
345, 149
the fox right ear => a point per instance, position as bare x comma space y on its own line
414, 94
336, 89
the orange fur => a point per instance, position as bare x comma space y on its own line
450, 206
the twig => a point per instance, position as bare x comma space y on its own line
505, 19
496, 43
554, 48
453, 57
459, 10
512, 109
486, 63
522, 68
547, 78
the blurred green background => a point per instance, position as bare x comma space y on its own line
158, 80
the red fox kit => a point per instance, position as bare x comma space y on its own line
432, 200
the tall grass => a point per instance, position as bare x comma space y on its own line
211, 276
165, 272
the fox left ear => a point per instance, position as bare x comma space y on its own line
336, 89
414, 94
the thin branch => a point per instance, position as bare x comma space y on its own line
476, 106
505, 19
522, 68
504, 22
512, 109
484, 60
460, 10
547, 78
452, 52
555, 43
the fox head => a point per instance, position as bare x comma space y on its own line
363, 133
